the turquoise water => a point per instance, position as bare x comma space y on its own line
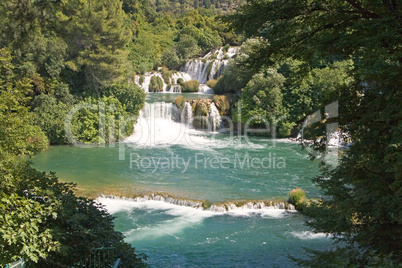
211, 168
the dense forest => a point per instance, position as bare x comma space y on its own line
363, 204
295, 58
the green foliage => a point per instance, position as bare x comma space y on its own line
166, 74
211, 83
17, 135
50, 113
170, 59
297, 196
100, 56
180, 101
41, 220
222, 103
262, 98
200, 109
190, 86
22, 232
187, 47
362, 204
285, 128
103, 122
142, 79
156, 84
238, 73
180, 81
130, 96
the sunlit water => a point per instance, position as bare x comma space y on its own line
207, 167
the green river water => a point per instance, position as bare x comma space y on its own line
223, 172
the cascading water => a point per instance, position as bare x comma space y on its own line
214, 117
204, 70
187, 114
155, 125
145, 80
198, 199
162, 123
211, 66
250, 206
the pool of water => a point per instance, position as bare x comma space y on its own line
189, 168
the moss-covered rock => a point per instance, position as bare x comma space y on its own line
180, 101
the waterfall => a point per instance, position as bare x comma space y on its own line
147, 80
211, 66
251, 205
175, 89
204, 70
205, 89
177, 75
219, 208
162, 123
156, 125
187, 114
214, 117
171, 87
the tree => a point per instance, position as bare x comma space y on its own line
187, 47
50, 113
41, 219
363, 206
97, 36
262, 98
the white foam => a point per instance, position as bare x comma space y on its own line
114, 205
309, 235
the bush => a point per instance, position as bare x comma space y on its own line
166, 74
190, 86
171, 59
130, 95
180, 80
85, 123
222, 103
211, 83
296, 196
285, 128
142, 79
180, 101
226, 48
156, 84
50, 112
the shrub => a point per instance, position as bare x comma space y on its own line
180, 101
171, 59
50, 112
142, 79
285, 128
296, 196
190, 86
130, 95
160, 83
211, 83
226, 48
180, 80
222, 103
156, 84
166, 74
